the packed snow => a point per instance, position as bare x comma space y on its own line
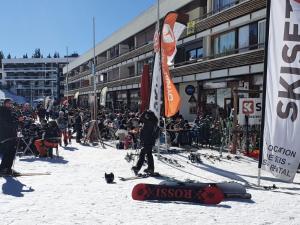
77, 193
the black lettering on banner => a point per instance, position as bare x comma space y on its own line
290, 70
288, 9
270, 157
258, 106
292, 57
290, 89
291, 37
290, 106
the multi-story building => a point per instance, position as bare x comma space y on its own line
34, 78
221, 50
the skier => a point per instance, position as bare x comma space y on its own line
148, 135
8, 135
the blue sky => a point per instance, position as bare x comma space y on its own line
51, 25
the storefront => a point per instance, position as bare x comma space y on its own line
215, 97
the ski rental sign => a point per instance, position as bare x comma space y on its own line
281, 134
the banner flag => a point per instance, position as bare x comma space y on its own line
145, 90
171, 31
281, 142
155, 97
103, 96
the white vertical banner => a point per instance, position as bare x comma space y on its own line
281, 137
155, 97
103, 96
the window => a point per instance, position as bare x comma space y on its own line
219, 5
261, 33
224, 43
243, 38
131, 71
114, 51
194, 54
253, 35
141, 63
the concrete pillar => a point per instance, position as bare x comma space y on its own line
207, 46
209, 6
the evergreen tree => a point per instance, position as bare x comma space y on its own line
49, 56
37, 53
25, 56
1, 56
56, 55
8, 56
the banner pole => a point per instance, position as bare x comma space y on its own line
165, 129
261, 144
157, 25
94, 72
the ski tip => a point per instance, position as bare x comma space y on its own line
140, 192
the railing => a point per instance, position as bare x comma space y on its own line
226, 53
31, 68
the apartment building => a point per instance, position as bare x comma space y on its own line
34, 78
221, 50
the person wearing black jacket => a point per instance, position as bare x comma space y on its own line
8, 136
78, 127
148, 135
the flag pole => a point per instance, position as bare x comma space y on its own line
94, 75
261, 144
67, 76
157, 28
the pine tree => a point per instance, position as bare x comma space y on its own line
37, 53
8, 56
56, 55
25, 56
49, 56
1, 56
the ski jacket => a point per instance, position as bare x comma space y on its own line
149, 132
8, 123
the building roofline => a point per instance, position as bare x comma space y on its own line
142, 21
37, 60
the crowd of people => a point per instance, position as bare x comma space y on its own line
47, 128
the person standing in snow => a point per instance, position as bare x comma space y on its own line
8, 135
148, 135
78, 126
62, 123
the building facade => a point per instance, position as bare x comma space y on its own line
34, 78
221, 50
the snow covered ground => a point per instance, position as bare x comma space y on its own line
76, 192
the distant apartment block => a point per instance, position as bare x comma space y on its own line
34, 78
